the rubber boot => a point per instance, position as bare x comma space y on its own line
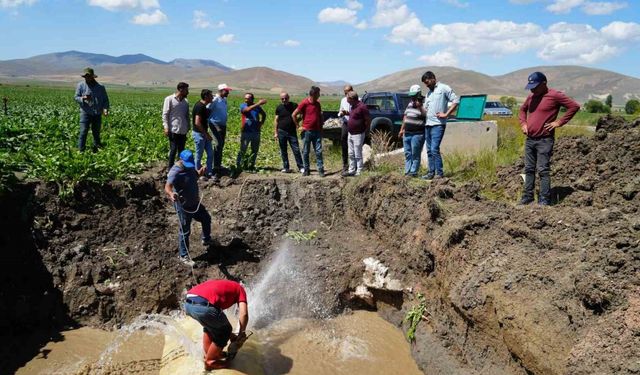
214, 359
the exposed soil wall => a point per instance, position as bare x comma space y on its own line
509, 289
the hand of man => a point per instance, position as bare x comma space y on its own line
202, 170
401, 133
441, 115
166, 132
551, 125
208, 136
173, 197
524, 129
262, 101
275, 136
105, 112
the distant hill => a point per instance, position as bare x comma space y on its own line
141, 70
578, 82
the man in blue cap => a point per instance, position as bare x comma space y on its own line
182, 190
538, 120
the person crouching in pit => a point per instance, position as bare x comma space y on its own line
205, 303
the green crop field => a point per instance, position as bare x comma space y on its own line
38, 137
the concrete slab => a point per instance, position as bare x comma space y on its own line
467, 137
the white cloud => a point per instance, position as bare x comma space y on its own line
621, 31
226, 38
201, 21
15, 3
563, 6
148, 19
337, 15
115, 5
457, 3
390, 13
407, 53
522, 1
353, 4
291, 43
574, 44
440, 58
361, 25
602, 8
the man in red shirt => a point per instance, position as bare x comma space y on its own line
311, 113
538, 120
357, 126
205, 303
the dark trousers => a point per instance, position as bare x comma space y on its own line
199, 214
344, 142
537, 156
220, 134
176, 145
285, 137
89, 121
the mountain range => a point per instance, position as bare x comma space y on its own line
579, 82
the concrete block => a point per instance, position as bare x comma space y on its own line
467, 137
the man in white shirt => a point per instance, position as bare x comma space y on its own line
175, 120
436, 103
343, 113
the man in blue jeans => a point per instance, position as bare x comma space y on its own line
311, 113
253, 116
218, 123
94, 102
436, 104
285, 132
182, 190
200, 134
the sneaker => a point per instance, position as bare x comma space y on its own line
428, 176
215, 178
207, 242
543, 202
204, 177
186, 261
347, 174
285, 170
305, 172
525, 201
321, 172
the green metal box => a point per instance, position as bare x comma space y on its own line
471, 107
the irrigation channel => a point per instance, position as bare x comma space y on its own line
293, 334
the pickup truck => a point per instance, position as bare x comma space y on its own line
386, 109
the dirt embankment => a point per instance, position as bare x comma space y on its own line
509, 290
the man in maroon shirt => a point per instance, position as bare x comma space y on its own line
205, 303
357, 125
538, 120
311, 113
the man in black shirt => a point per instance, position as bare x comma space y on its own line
285, 131
201, 136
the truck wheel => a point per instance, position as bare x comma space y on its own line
381, 124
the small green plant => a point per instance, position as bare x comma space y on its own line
414, 316
299, 236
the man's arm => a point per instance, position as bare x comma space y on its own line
78, 96
275, 126
166, 109
295, 117
451, 96
522, 115
572, 108
250, 108
262, 117
105, 104
168, 189
243, 316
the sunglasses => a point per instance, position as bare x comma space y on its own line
284, 98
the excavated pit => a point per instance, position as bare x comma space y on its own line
508, 289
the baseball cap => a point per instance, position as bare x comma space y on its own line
187, 159
534, 80
415, 90
223, 86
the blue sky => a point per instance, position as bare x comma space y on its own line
352, 40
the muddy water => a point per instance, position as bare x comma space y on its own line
358, 343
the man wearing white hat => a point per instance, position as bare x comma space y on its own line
218, 124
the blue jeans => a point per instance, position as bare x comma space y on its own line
86, 121
186, 215
212, 320
309, 137
247, 138
203, 144
283, 138
432, 138
412, 150
220, 134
